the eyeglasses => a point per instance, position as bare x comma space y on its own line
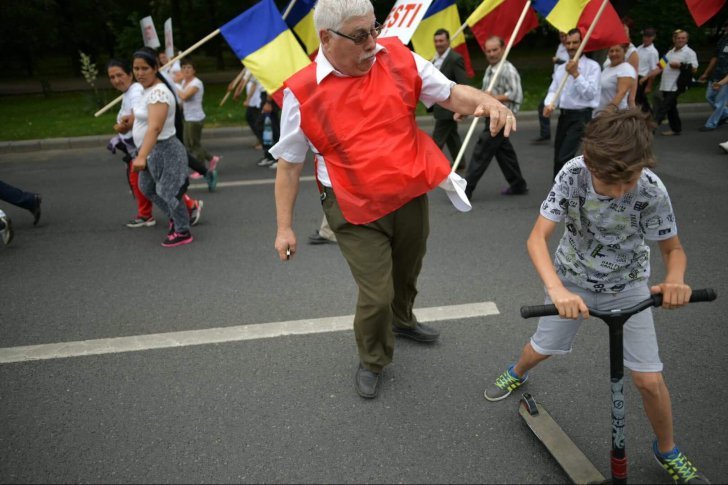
362, 36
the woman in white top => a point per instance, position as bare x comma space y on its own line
120, 76
191, 92
161, 158
617, 80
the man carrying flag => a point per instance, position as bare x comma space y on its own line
354, 107
452, 65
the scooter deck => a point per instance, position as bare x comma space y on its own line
576, 465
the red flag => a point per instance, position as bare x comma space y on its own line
608, 32
704, 10
499, 17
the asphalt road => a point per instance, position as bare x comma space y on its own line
284, 409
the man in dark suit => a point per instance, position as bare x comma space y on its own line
452, 65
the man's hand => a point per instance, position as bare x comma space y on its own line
458, 117
569, 304
547, 110
674, 295
572, 67
501, 118
285, 244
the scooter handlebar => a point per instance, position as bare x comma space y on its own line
704, 294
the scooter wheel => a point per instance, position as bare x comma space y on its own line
529, 403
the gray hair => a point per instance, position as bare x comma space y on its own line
331, 14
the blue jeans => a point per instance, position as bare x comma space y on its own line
717, 99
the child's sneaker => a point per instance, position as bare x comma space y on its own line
504, 385
141, 222
213, 163
678, 466
195, 175
177, 239
196, 212
211, 179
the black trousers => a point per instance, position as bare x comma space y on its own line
641, 97
446, 132
544, 123
501, 148
669, 108
568, 135
16, 196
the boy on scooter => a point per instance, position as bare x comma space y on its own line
610, 202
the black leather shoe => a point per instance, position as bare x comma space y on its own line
317, 238
421, 333
366, 382
36, 210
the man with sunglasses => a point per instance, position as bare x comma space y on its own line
354, 107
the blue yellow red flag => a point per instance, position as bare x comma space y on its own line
264, 44
442, 14
499, 17
565, 15
300, 20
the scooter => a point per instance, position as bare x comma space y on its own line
576, 465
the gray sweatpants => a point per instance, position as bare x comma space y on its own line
165, 180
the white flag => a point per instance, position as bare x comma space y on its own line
149, 33
404, 18
168, 42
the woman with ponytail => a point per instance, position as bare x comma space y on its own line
161, 158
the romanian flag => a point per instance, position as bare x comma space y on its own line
442, 14
663, 62
499, 17
300, 20
704, 10
565, 15
262, 41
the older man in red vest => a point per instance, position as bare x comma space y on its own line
354, 107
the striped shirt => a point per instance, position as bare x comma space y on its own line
508, 83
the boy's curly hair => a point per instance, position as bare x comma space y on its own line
618, 144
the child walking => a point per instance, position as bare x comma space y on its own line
610, 202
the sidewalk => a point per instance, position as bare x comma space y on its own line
243, 134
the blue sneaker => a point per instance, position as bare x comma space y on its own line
678, 466
211, 179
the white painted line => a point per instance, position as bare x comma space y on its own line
241, 183
223, 334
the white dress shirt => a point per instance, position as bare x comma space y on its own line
649, 57
580, 93
440, 59
670, 74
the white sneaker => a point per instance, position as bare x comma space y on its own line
273, 166
7, 231
265, 162
724, 146
196, 213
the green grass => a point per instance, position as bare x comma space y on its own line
26, 117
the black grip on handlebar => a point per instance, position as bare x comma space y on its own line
538, 311
704, 294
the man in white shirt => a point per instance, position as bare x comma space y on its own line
354, 108
679, 58
577, 101
649, 58
561, 57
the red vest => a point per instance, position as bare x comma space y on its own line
364, 126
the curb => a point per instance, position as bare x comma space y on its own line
239, 132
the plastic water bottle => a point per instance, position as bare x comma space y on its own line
267, 131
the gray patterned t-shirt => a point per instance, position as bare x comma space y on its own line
603, 248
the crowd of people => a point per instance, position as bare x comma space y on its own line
376, 209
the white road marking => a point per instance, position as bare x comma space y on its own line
241, 183
224, 334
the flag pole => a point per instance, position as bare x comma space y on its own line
172, 61
578, 52
493, 79
243, 72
